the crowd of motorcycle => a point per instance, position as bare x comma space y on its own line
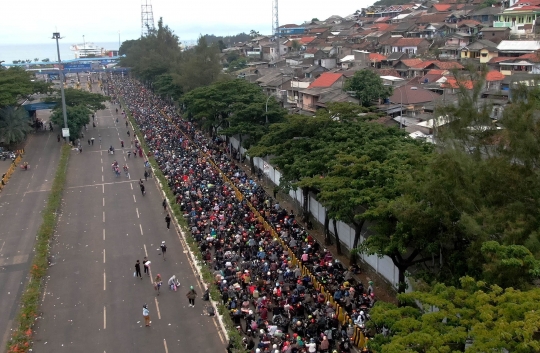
273, 302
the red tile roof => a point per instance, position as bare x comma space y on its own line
436, 72
451, 82
494, 76
327, 79
423, 64
442, 7
500, 59
307, 40
382, 19
411, 62
448, 65
409, 42
528, 2
533, 57
376, 57
468, 22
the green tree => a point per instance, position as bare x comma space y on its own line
253, 33
296, 45
234, 106
14, 125
16, 84
368, 87
238, 64
77, 117
75, 97
475, 317
200, 66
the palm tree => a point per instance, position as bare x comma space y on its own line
14, 125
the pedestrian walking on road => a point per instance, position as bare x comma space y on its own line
191, 295
158, 283
88, 142
163, 249
138, 269
168, 221
146, 265
164, 204
146, 315
145, 174
142, 189
58, 137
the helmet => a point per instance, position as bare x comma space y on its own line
312, 340
258, 350
274, 346
191, 287
361, 313
261, 332
163, 242
145, 306
298, 323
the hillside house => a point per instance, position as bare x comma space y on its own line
520, 19
482, 50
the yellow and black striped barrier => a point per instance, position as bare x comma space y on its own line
358, 337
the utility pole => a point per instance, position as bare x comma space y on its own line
275, 26
56, 35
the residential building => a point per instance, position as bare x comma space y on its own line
520, 19
516, 48
482, 50
326, 83
496, 35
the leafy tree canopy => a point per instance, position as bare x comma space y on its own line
14, 125
16, 83
474, 317
237, 107
77, 117
75, 97
368, 87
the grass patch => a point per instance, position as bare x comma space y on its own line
21, 338
174, 209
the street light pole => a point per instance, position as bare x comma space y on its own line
401, 108
267, 109
56, 36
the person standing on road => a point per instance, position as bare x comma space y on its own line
191, 295
138, 269
163, 249
164, 204
142, 189
158, 283
168, 221
145, 174
146, 315
146, 264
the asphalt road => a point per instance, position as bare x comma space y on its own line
21, 203
92, 301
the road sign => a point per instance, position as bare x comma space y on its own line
65, 132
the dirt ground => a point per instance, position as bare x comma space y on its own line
383, 290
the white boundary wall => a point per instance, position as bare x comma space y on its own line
382, 265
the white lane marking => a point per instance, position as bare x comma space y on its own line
103, 255
137, 212
165, 345
103, 202
103, 216
104, 280
134, 199
103, 187
131, 186
104, 318
145, 252
102, 180
103, 234
4, 243
157, 309
140, 226
102, 169
102, 163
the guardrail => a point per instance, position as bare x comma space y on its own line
11, 169
358, 336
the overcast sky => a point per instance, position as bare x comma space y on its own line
33, 21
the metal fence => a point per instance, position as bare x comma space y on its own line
382, 265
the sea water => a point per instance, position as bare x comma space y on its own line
10, 52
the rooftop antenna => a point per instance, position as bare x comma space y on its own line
147, 18
275, 25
